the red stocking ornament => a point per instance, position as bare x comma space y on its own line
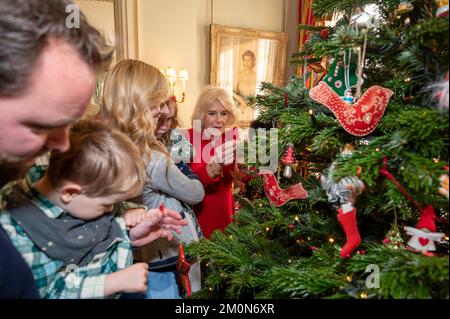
343, 194
350, 227
183, 268
360, 118
278, 196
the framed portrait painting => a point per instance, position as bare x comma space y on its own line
243, 58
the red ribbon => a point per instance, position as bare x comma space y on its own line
385, 172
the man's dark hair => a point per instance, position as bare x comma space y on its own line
25, 28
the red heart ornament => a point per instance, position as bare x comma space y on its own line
423, 241
360, 118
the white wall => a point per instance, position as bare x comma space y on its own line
176, 33
264, 15
101, 15
173, 33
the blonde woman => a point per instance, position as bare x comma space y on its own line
134, 96
214, 145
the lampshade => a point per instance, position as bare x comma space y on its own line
171, 73
183, 74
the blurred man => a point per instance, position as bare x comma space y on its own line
47, 76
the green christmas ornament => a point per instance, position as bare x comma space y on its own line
341, 74
393, 239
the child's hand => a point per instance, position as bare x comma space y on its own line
131, 279
154, 216
134, 216
156, 225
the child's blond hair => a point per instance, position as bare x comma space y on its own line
102, 160
210, 95
131, 90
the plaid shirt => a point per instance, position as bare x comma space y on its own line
53, 279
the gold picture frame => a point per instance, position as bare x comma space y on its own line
241, 59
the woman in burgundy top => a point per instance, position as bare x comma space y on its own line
214, 142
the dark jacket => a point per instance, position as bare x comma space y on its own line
16, 279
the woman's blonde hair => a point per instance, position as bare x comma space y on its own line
208, 97
131, 90
103, 160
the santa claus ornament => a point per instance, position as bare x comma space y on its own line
424, 235
277, 195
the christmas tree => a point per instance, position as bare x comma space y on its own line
363, 166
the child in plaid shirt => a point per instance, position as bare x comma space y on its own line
64, 226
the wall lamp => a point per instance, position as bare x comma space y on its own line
171, 75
